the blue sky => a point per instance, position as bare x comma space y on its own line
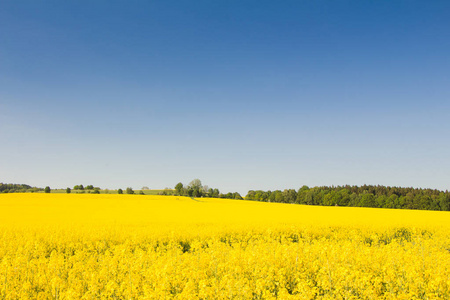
241, 94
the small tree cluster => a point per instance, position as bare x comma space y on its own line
89, 187
196, 189
78, 187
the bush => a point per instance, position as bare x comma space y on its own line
119, 191
47, 189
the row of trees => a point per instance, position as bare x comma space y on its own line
18, 188
196, 189
128, 191
24, 188
96, 190
362, 196
82, 188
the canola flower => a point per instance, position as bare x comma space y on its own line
64, 246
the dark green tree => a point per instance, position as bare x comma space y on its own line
444, 201
237, 196
179, 189
119, 191
130, 190
290, 196
68, 190
47, 189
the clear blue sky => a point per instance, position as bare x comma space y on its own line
241, 94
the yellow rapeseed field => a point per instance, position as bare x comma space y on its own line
67, 246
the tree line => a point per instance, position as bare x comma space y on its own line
196, 189
377, 196
359, 196
82, 189
18, 188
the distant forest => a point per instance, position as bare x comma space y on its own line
359, 196
18, 188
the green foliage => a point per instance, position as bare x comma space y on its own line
179, 188
18, 188
363, 196
237, 196
78, 187
195, 184
196, 189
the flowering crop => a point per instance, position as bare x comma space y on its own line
64, 246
